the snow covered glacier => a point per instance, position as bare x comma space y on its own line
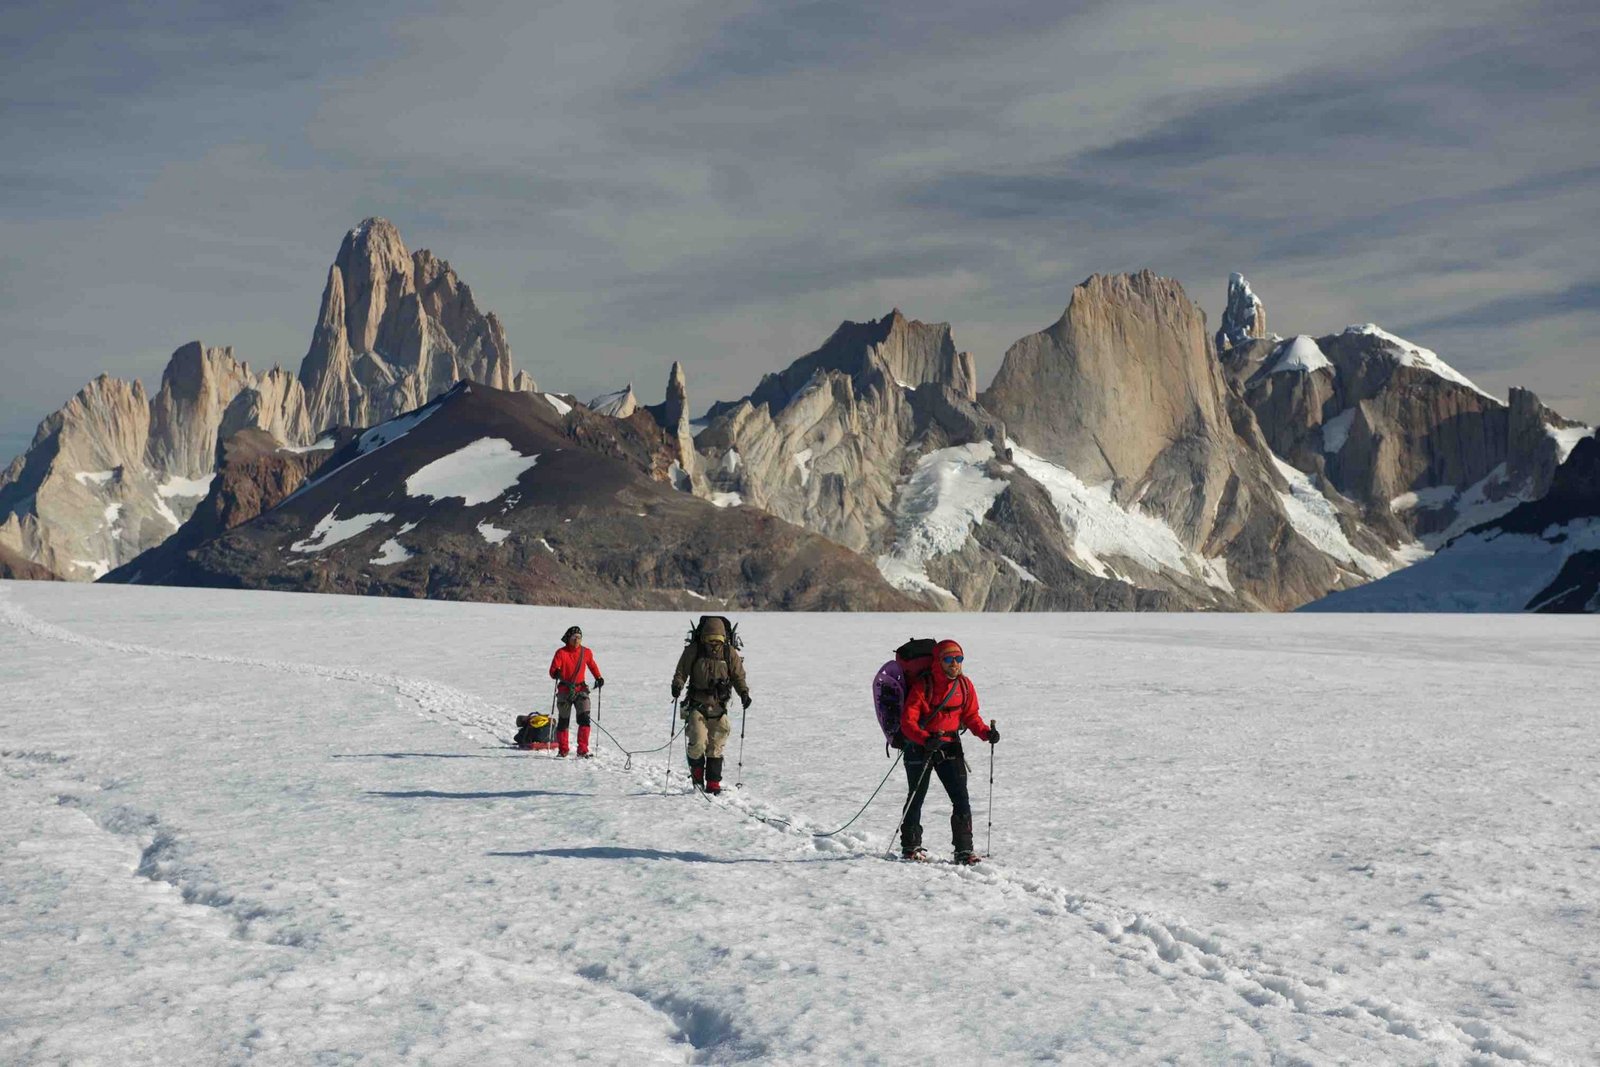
287, 828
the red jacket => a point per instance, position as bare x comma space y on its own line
568, 666
936, 705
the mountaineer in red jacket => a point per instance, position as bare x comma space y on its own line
938, 706
571, 661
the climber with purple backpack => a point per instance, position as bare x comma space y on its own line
923, 700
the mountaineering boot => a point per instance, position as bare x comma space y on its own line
911, 842
583, 741
697, 771
561, 743
961, 835
714, 775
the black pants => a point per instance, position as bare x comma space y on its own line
950, 765
566, 700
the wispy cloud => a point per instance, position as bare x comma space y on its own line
722, 182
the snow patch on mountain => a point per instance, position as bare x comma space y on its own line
1567, 439
1299, 354
476, 473
94, 477
1020, 571
390, 553
1481, 502
166, 512
1100, 528
561, 406
330, 530
387, 432
99, 568
947, 494
1430, 499
492, 534
1314, 518
185, 487
1411, 355
727, 500
1336, 431
322, 444
802, 462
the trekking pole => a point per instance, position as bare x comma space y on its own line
739, 784
599, 699
989, 839
905, 809
552, 724
672, 733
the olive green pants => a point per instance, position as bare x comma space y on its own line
706, 734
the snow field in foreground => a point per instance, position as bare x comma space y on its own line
285, 828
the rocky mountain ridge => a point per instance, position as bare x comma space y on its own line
1543, 555
115, 472
1124, 457
485, 494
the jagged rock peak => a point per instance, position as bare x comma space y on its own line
676, 406
907, 352
1244, 318
619, 404
1121, 389
395, 330
197, 388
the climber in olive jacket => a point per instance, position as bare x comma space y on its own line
712, 669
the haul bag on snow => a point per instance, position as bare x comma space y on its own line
536, 731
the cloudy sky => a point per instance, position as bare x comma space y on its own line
630, 183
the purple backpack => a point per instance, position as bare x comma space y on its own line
890, 683
888, 697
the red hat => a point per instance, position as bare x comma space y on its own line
949, 646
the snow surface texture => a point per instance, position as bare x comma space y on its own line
474, 474
287, 828
1299, 355
936, 508
1411, 355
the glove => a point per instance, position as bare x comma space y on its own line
599, 683
994, 734
933, 744
747, 701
